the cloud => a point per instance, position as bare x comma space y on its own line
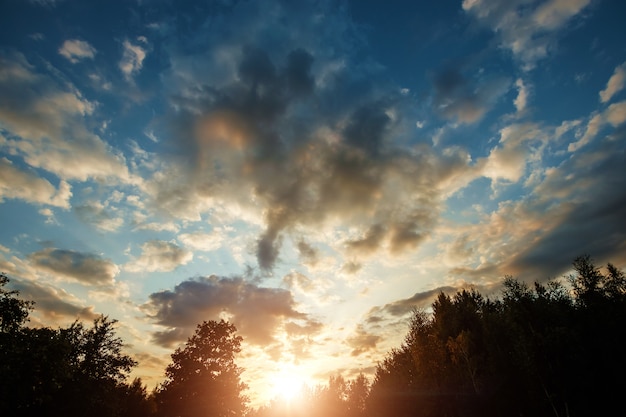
159, 256
75, 50
293, 137
465, 101
53, 303
529, 29
296, 280
404, 307
264, 143
574, 208
27, 186
614, 85
98, 215
206, 242
362, 341
309, 255
45, 119
257, 312
588, 221
523, 93
82, 267
132, 58
520, 144
614, 115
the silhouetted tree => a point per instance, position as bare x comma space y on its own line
13, 311
358, 391
541, 351
203, 378
74, 371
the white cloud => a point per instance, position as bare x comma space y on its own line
159, 256
49, 215
616, 113
27, 186
46, 120
508, 161
201, 241
615, 84
132, 58
75, 50
521, 101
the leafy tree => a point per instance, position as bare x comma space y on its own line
203, 378
539, 350
13, 311
358, 391
73, 371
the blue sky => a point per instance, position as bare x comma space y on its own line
311, 171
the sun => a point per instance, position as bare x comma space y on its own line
286, 385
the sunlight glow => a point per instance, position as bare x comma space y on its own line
286, 385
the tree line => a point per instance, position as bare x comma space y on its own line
552, 349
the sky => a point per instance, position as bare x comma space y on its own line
311, 171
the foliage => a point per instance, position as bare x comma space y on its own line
540, 350
73, 371
203, 378
13, 311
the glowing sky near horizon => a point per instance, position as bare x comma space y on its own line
310, 170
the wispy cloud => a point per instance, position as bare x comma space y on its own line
159, 256
527, 28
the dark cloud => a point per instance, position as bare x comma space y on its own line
370, 242
366, 128
51, 302
362, 341
308, 254
257, 312
85, 268
590, 221
351, 267
464, 100
298, 72
304, 134
403, 307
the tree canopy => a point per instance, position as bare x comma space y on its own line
203, 378
73, 371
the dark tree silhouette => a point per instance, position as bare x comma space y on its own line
13, 311
74, 371
546, 350
358, 391
203, 378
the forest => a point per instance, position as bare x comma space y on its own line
548, 349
